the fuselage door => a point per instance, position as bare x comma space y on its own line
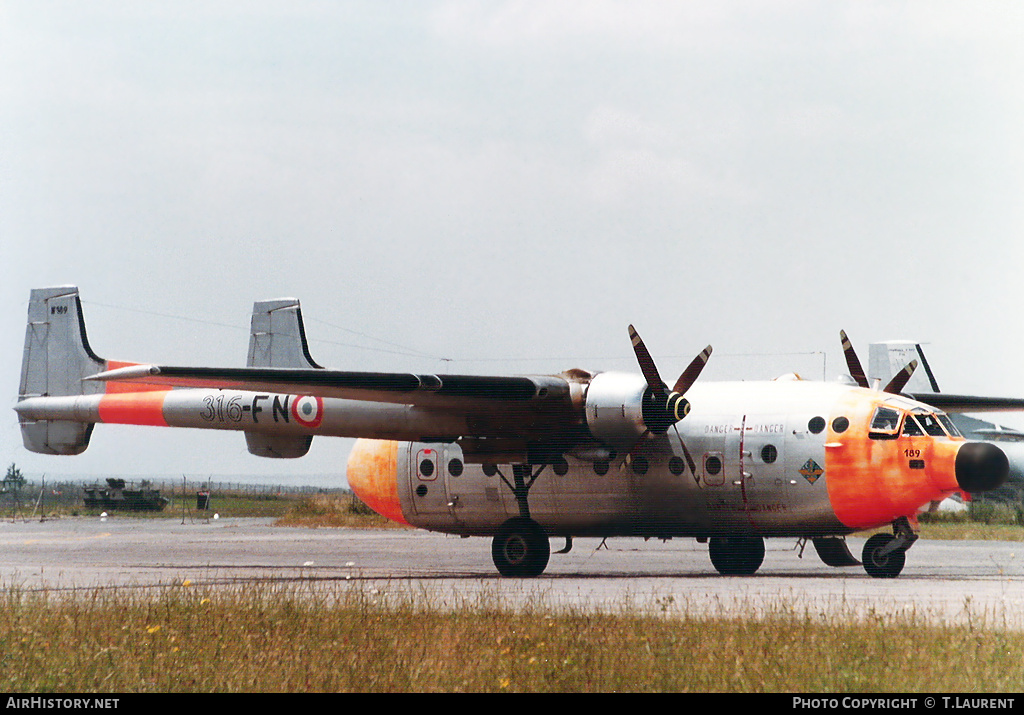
737, 463
429, 488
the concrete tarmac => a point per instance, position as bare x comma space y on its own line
943, 581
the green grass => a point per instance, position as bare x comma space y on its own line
300, 638
335, 510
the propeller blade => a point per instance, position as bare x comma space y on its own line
856, 371
647, 366
634, 451
691, 373
689, 460
900, 380
686, 453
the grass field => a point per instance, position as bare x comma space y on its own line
288, 639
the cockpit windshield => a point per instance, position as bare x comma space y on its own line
890, 422
948, 424
911, 427
931, 425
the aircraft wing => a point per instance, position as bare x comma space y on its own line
948, 402
454, 391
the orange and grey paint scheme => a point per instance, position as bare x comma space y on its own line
523, 459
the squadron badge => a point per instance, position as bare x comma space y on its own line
811, 471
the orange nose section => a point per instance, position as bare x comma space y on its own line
373, 476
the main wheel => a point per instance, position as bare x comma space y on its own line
736, 555
878, 566
521, 548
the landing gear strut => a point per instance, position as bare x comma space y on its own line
736, 555
521, 547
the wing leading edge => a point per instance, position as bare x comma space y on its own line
399, 388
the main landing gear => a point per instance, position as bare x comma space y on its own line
736, 555
521, 547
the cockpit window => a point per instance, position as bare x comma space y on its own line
911, 427
948, 424
931, 425
885, 420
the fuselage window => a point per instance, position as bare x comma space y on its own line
769, 454
816, 425
840, 424
713, 465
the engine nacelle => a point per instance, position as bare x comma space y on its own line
614, 407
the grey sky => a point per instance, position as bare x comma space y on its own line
492, 187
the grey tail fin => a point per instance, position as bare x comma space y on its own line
885, 360
278, 339
57, 357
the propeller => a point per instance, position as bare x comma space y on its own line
856, 371
896, 384
663, 408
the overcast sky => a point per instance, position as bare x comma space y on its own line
502, 187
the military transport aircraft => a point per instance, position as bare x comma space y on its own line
527, 458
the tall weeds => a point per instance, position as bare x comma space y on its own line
267, 638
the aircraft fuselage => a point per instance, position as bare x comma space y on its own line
783, 458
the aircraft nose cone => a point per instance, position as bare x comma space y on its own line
981, 466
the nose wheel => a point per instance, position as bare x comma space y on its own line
521, 548
882, 557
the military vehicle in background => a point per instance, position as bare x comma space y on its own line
117, 495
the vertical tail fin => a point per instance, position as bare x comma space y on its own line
278, 339
57, 357
885, 360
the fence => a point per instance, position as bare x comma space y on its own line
40, 498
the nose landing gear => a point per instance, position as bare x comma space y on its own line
885, 554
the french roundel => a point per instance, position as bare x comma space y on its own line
308, 411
